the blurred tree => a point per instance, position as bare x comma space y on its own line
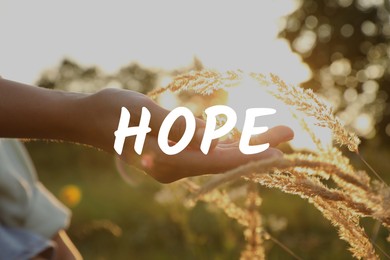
71, 76
136, 78
346, 44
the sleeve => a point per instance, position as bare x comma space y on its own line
24, 202
18, 243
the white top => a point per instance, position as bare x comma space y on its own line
24, 201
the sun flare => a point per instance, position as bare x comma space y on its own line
249, 94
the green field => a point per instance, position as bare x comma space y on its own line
117, 221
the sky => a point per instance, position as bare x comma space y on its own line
37, 35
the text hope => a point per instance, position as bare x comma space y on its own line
211, 131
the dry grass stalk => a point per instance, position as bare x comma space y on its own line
222, 201
249, 218
288, 161
338, 167
301, 174
337, 205
234, 174
309, 187
342, 211
206, 82
254, 248
305, 127
366, 202
203, 82
307, 102
348, 226
300, 183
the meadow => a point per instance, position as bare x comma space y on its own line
115, 220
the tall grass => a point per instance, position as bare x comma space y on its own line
354, 195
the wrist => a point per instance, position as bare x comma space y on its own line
97, 121
69, 116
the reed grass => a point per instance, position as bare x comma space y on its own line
355, 195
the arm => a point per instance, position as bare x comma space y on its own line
30, 112
37, 113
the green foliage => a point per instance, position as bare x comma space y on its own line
346, 44
71, 76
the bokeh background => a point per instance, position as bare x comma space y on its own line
340, 48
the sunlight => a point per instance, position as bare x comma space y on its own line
249, 94
364, 124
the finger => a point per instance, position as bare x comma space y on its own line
273, 136
190, 162
220, 160
158, 114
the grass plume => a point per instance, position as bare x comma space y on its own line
355, 195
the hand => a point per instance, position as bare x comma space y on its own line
36, 113
106, 106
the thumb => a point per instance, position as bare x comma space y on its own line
274, 136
